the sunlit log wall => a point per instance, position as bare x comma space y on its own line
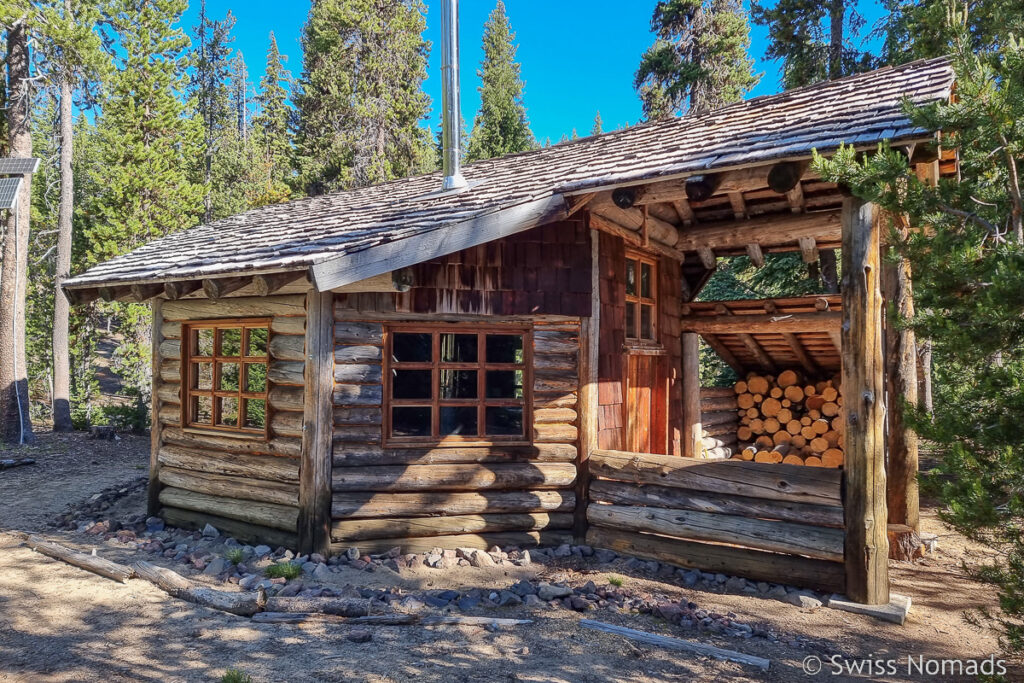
246, 487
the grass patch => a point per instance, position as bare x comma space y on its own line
235, 676
234, 556
286, 570
616, 581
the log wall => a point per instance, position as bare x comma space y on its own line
719, 422
423, 497
245, 486
778, 523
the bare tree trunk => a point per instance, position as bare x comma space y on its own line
829, 271
15, 424
837, 12
61, 310
925, 354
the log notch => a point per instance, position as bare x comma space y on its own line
867, 577
315, 484
692, 446
901, 382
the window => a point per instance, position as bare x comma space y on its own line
226, 375
466, 385
641, 299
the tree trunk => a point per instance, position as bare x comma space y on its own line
61, 359
837, 11
15, 425
925, 355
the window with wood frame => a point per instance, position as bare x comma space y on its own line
641, 298
225, 367
456, 384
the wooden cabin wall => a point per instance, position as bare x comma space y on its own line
246, 487
719, 421
670, 301
441, 496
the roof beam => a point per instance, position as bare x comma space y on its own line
181, 288
755, 254
685, 211
724, 353
633, 219
574, 204
221, 287
146, 292
598, 222
724, 323
739, 206
765, 230
784, 175
267, 284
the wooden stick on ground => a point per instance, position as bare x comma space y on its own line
243, 604
381, 619
677, 644
8, 463
96, 565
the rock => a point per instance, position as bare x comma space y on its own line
322, 572
564, 550
411, 604
154, 524
533, 601
523, 588
605, 556
588, 587
359, 635
261, 550
546, 591
448, 595
436, 601
581, 604
763, 587
216, 566
690, 578
433, 560
777, 592
720, 578
804, 599
669, 611
210, 531
468, 602
352, 554
509, 599
585, 550
652, 566
291, 589
479, 558
735, 583
247, 582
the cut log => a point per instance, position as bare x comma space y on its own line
191, 455
243, 604
288, 347
540, 475
787, 378
92, 563
8, 463
243, 531
286, 398
519, 539
231, 486
383, 505
418, 527
360, 456
272, 515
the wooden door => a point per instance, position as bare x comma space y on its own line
646, 404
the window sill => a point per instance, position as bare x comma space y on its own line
393, 444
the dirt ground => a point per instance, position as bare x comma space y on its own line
58, 623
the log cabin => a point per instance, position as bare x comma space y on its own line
508, 352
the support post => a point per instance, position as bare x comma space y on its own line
314, 528
867, 546
692, 445
902, 496
589, 405
155, 428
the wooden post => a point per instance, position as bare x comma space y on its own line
589, 405
155, 428
692, 446
901, 382
867, 547
314, 526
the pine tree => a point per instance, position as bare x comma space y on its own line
500, 126
146, 175
813, 39
360, 98
916, 29
596, 129
239, 90
699, 60
272, 128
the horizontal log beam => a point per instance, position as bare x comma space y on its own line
756, 480
633, 220
246, 488
761, 324
447, 525
518, 539
216, 288
205, 442
375, 455
766, 231
631, 238
511, 476
377, 505
396, 281
243, 531
272, 515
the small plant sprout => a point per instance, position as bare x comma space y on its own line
287, 570
616, 581
234, 556
235, 676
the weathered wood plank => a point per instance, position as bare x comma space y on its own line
757, 480
361, 456
554, 433
358, 333
347, 415
240, 307
156, 430
554, 416
262, 467
357, 394
541, 475
272, 515
288, 347
213, 441
288, 324
781, 537
315, 485
518, 539
246, 488
286, 372
376, 505
447, 525
243, 531
358, 374
753, 564
286, 398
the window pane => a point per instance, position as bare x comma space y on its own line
631, 278
202, 409
255, 413
504, 421
410, 421
256, 343
231, 342
631, 321
646, 323
202, 342
411, 384
458, 420
458, 348
504, 348
228, 412
504, 384
202, 376
228, 377
646, 277
412, 348
458, 384
255, 378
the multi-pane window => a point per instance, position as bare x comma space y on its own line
226, 375
641, 299
457, 386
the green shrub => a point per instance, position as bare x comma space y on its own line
234, 556
616, 581
235, 676
287, 570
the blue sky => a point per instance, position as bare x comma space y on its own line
578, 56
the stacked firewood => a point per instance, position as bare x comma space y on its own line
789, 419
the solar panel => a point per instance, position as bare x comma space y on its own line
9, 192
18, 166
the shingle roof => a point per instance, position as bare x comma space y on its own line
861, 110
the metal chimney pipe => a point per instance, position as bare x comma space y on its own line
451, 117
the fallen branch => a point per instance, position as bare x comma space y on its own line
677, 644
8, 463
381, 619
92, 563
343, 607
243, 604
